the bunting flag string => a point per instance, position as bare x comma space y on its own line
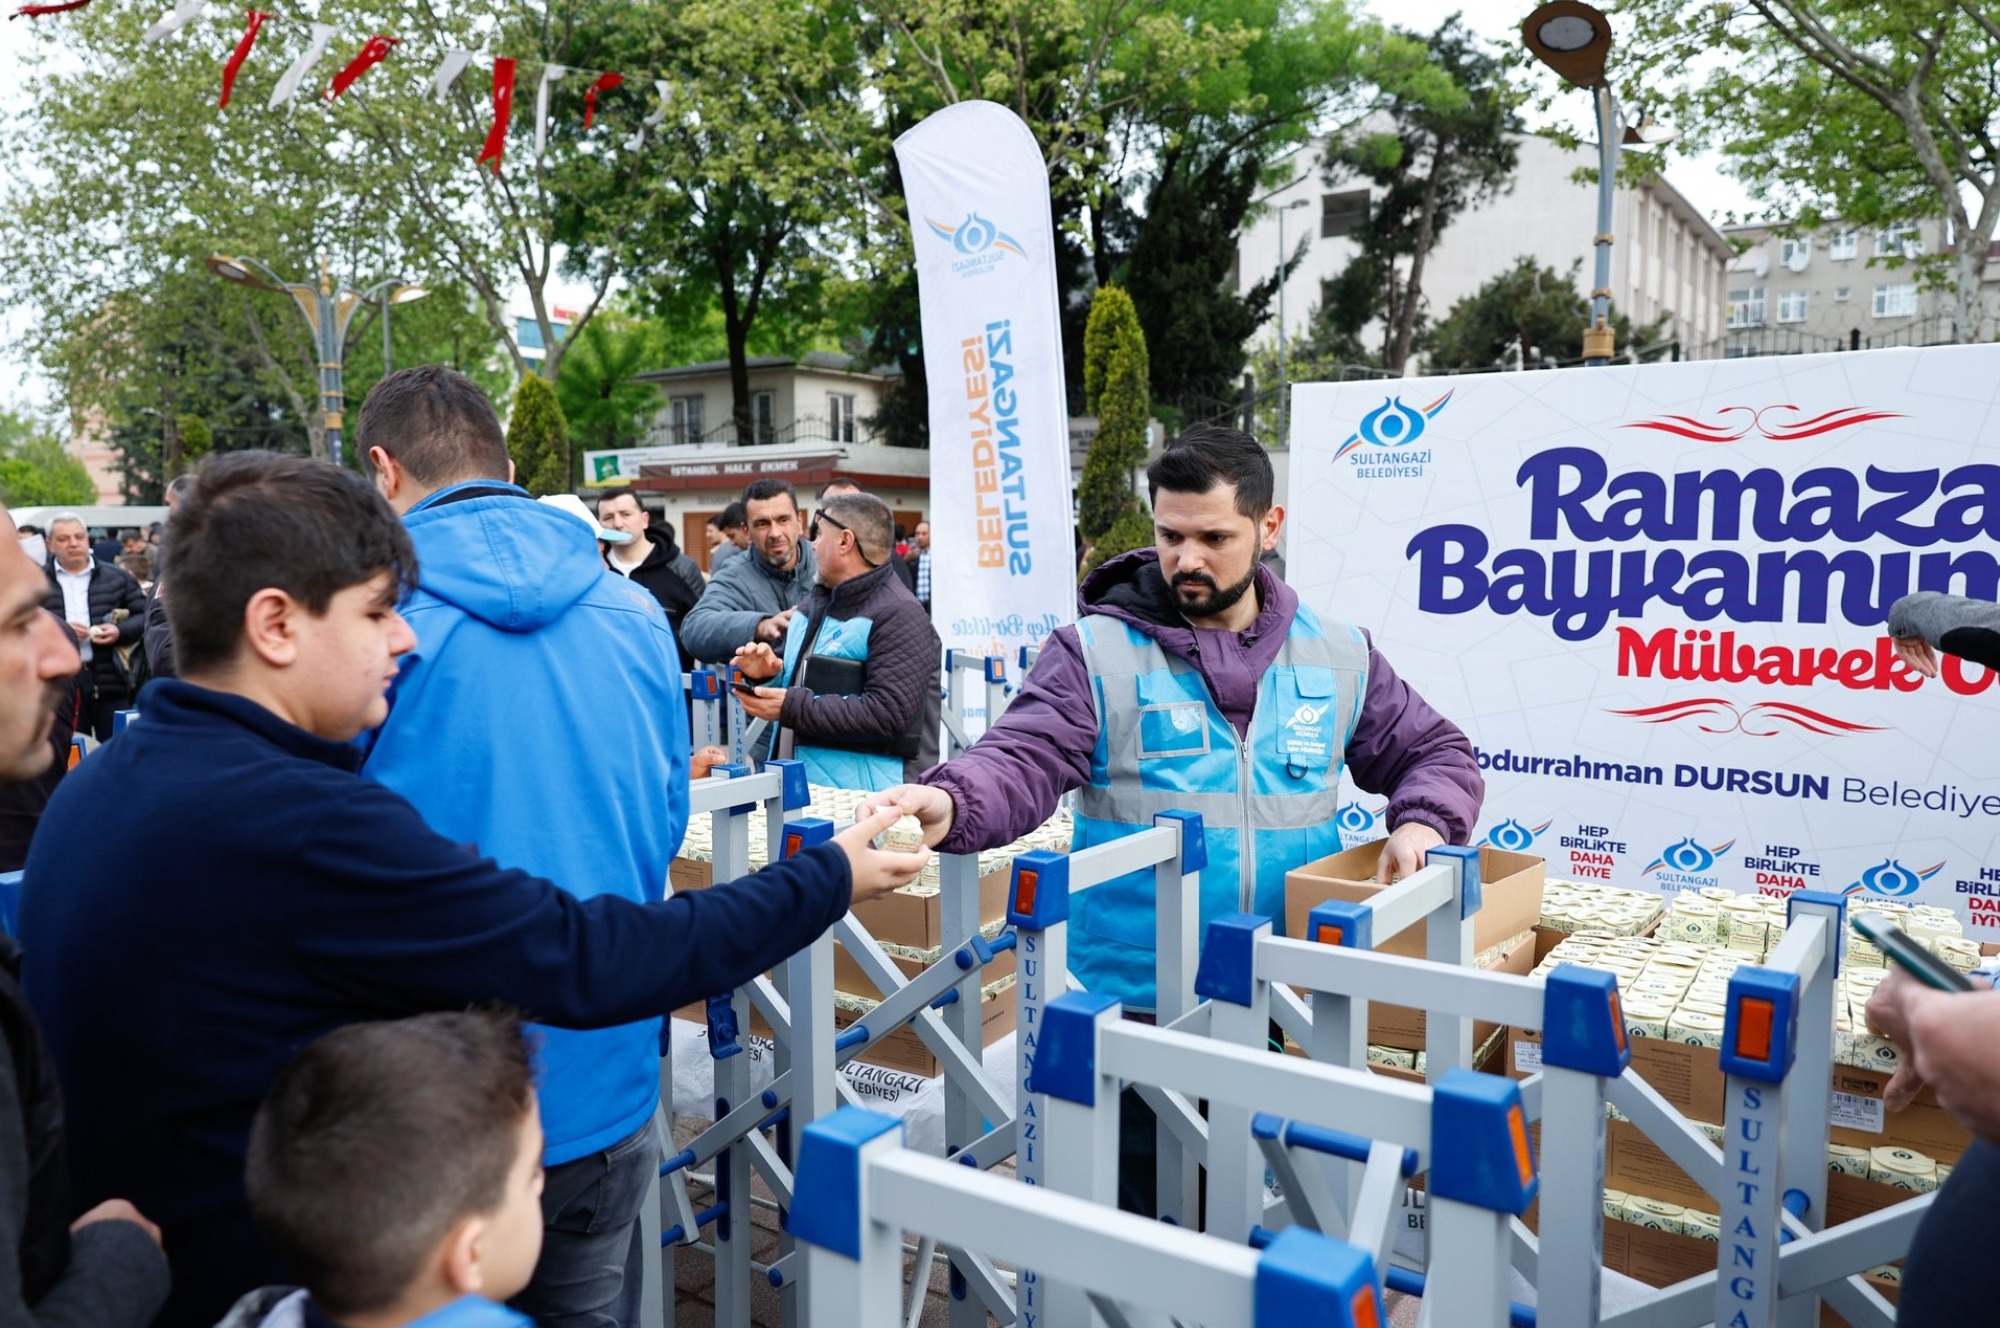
503, 113
36, 11
372, 53
637, 139
183, 13
288, 86
447, 72
550, 73
604, 83
240, 54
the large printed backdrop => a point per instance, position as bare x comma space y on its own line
1655, 598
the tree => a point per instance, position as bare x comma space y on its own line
1525, 315
538, 438
606, 408
1872, 114
1115, 375
1449, 146
36, 470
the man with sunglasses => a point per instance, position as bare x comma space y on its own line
856, 686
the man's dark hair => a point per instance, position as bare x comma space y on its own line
838, 482
178, 486
257, 521
379, 1137
763, 491
867, 517
732, 517
1209, 454
437, 424
28, 529
623, 491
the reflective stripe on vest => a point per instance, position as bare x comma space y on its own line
1164, 745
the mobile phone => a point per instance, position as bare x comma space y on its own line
747, 688
1918, 962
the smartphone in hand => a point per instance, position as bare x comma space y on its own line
1909, 955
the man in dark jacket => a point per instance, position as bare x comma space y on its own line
105, 610
857, 686
105, 1268
651, 559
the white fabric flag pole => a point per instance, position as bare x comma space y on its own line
1005, 564
637, 138
288, 86
447, 72
550, 73
184, 12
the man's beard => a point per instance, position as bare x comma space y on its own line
780, 560
1217, 601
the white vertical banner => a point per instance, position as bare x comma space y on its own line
1004, 566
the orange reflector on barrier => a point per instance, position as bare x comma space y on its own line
793, 843
1024, 893
1753, 1028
1517, 1129
1329, 934
1618, 1018
1364, 1311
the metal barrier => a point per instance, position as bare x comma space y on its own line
859, 1191
959, 668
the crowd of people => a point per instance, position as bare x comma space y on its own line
415, 754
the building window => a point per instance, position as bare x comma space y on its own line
1846, 243
1340, 213
684, 413
1841, 294
1746, 306
763, 417
1792, 307
1898, 301
840, 417
1902, 241
1739, 352
1795, 253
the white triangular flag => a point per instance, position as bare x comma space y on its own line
448, 70
288, 86
184, 13
637, 139
550, 73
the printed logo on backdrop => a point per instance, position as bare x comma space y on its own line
1686, 865
1357, 823
1513, 836
980, 244
1890, 877
1394, 427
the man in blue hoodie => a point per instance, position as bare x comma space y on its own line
541, 719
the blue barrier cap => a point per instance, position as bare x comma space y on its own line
736, 771
120, 719
791, 783
1024, 654
1838, 903
803, 833
722, 1030
1066, 1065
1469, 899
1480, 1150
1308, 1277
950, 663
996, 668
1760, 1033
704, 685
826, 1198
1039, 896
1583, 1023
1341, 922
1228, 968
1194, 845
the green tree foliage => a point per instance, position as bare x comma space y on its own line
1526, 316
1115, 382
605, 408
1872, 114
36, 470
538, 439
1448, 147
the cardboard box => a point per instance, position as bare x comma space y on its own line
1401, 1026
1691, 1079
904, 918
1510, 897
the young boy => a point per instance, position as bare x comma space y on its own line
218, 886
398, 1168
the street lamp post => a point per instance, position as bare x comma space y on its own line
1284, 389
328, 312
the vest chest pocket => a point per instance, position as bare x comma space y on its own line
1179, 729
1307, 726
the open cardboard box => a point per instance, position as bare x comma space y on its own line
1510, 895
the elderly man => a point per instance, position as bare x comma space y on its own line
105, 610
753, 598
857, 687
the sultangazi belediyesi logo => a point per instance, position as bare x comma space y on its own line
979, 243
1395, 427
1890, 877
1514, 836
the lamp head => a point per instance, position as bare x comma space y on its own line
236, 270
1571, 38
405, 294
1648, 133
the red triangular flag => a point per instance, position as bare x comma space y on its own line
372, 53
241, 53
36, 11
603, 84
503, 113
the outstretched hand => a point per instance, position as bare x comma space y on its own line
1404, 853
877, 871
933, 808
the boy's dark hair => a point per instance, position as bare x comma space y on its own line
763, 491
437, 424
1209, 454
258, 520
732, 517
377, 1138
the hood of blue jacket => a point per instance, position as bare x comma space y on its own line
503, 558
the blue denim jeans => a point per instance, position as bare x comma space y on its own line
593, 1253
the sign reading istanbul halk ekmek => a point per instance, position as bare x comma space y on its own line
1003, 560
1655, 597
